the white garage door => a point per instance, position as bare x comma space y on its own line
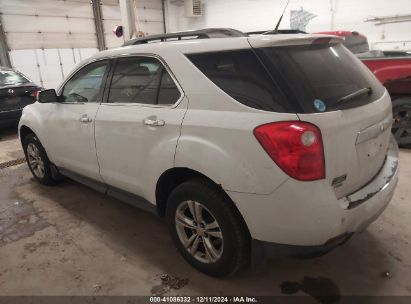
47, 38
149, 16
111, 18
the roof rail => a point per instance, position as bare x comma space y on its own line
193, 34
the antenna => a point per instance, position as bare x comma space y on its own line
281, 18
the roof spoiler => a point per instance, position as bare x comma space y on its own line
297, 39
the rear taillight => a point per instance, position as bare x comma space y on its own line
35, 93
295, 146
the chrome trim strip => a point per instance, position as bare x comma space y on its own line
14, 110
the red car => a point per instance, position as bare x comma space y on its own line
393, 69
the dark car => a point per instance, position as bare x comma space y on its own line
16, 92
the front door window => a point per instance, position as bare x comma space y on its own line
85, 85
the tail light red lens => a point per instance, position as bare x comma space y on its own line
35, 93
295, 146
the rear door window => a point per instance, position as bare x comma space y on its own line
168, 92
241, 75
142, 80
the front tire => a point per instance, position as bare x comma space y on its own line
207, 229
37, 160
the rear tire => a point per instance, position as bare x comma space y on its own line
37, 160
401, 108
201, 216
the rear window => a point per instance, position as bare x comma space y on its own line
293, 79
11, 77
321, 74
356, 44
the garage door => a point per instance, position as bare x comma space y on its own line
149, 16
47, 38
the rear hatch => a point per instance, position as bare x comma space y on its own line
329, 87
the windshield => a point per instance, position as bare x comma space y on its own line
11, 78
316, 77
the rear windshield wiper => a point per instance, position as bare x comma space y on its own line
355, 94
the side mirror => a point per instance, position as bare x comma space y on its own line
48, 96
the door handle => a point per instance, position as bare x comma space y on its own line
154, 122
85, 119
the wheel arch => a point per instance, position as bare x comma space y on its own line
24, 131
173, 177
169, 180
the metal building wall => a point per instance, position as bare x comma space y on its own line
346, 15
47, 38
142, 17
111, 18
37, 24
149, 16
48, 67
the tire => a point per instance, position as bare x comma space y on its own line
401, 108
230, 241
36, 155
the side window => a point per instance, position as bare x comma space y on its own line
85, 85
243, 77
168, 91
142, 80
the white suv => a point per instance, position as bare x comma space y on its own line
248, 146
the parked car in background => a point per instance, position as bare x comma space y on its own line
354, 41
393, 70
16, 92
271, 145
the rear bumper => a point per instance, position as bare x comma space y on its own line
268, 250
308, 214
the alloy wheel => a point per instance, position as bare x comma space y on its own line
199, 231
36, 163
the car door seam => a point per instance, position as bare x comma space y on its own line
95, 143
181, 129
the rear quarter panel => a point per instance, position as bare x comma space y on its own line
217, 137
222, 146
